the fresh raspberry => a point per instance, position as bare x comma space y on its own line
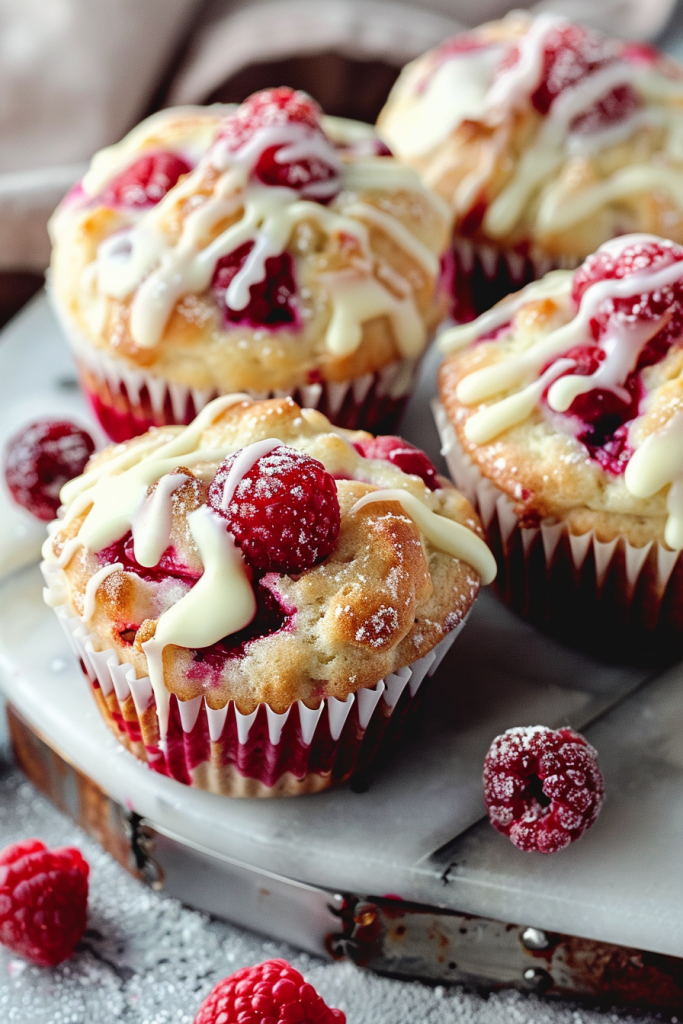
43, 901
664, 304
542, 788
284, 106
284, 513
269, 993
570, 54
40, 459
146, 181
271, 300
402, 454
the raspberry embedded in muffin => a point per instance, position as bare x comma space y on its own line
146, 181
256, 558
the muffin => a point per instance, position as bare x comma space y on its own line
546, 139
254, 596
264, 249
562, 415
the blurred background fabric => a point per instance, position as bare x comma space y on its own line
75, 75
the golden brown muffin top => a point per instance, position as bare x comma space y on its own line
399, 578
260, 247
544, 137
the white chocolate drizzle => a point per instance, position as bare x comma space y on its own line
220, 603
143, 263
622, 343
245, 461
93, 585
151, 524
443, 533
658, 462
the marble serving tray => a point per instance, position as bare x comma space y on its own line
416, 829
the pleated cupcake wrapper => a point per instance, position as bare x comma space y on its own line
151, 401
117, 681
498, 516
493, 272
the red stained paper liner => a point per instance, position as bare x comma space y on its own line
127, 401
483, 275
223, 751
615, 600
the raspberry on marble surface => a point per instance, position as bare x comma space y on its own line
40, 459
284, 512
43, 901
542, 787
269, 993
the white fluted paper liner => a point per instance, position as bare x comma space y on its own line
111, 674
492, 504
469, 253
392, 382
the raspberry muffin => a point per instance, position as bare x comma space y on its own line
562, 413
254, 596
264, 249
546, 139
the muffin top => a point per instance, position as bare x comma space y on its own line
262, 247
569, 393
262, 555
544, 136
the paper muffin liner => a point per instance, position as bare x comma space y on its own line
128, 401
484, 274
262, 754
610, 597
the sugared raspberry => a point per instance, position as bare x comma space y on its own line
271, 300
308, 173
269, 993
625, 257
43, 901
542, 788
146, 181
284, 513
402, 454
571, 53
40, 459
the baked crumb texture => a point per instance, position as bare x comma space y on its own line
546, 139
299, 697
562, 413
326, 289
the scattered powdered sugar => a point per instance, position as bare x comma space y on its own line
146, 959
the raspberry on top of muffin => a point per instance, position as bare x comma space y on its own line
260, 247
544, 136
568, 395
259, 555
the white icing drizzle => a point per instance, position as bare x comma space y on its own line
116, 489
622, 344
144, 263
246, 459
67, 552
443, 533
92, 586
151, 524
515, 84
658, 462
220, 603
554, 285
357, 300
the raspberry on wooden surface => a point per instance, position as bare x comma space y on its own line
40, 459
146, 181
402, 454
269, 993
43, 901
284, 512
542, 787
